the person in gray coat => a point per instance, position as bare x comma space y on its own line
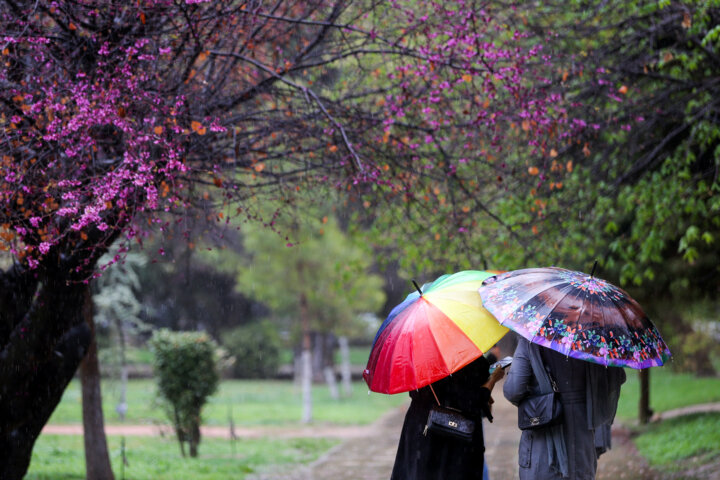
589, 395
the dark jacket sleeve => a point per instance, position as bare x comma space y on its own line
520, 378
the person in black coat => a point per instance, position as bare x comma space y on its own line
431, 457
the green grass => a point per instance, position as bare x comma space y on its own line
668, 390
668, 443
154, 458
251, 402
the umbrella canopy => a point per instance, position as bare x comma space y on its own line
432, 334
575, 314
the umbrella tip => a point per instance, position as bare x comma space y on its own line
417, 287
592, 273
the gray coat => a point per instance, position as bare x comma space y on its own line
576, 381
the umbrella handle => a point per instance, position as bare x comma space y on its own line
592, 273
417, 287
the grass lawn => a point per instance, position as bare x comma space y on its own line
149, 458
250, 402
668, 390
679, 443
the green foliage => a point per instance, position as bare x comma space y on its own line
668, 391
645, 184
186, 368
677, 439
116, 298
308, 260
255, 348
58, 457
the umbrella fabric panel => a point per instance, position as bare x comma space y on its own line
394, 313
473, 320
576, 314
415, 350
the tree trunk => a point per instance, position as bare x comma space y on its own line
194, 440
345, 372
306, 386
97, 459
43, 339
306, 362
331, 381
644, 411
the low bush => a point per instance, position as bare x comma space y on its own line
186, 368
256, 349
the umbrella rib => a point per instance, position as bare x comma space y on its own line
548, 287
550, 311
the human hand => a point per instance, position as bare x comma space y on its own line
497, 374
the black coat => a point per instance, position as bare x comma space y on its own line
435, 457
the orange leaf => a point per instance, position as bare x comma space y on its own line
259, 167
533, 171
198, 128
687, 21
467, 78
333, 148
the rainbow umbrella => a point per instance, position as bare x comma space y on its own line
433, 333
576, 314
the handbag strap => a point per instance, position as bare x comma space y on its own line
545, 381
553, 383
434, 395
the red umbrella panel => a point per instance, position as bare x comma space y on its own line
432, 335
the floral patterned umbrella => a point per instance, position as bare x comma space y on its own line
576, 314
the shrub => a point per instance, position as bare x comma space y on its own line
256, 348
186, 369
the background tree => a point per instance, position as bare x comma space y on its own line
116, 116
321, 282
645, 179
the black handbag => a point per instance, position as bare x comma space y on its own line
542, 410
449, 422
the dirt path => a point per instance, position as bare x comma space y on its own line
301, 431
